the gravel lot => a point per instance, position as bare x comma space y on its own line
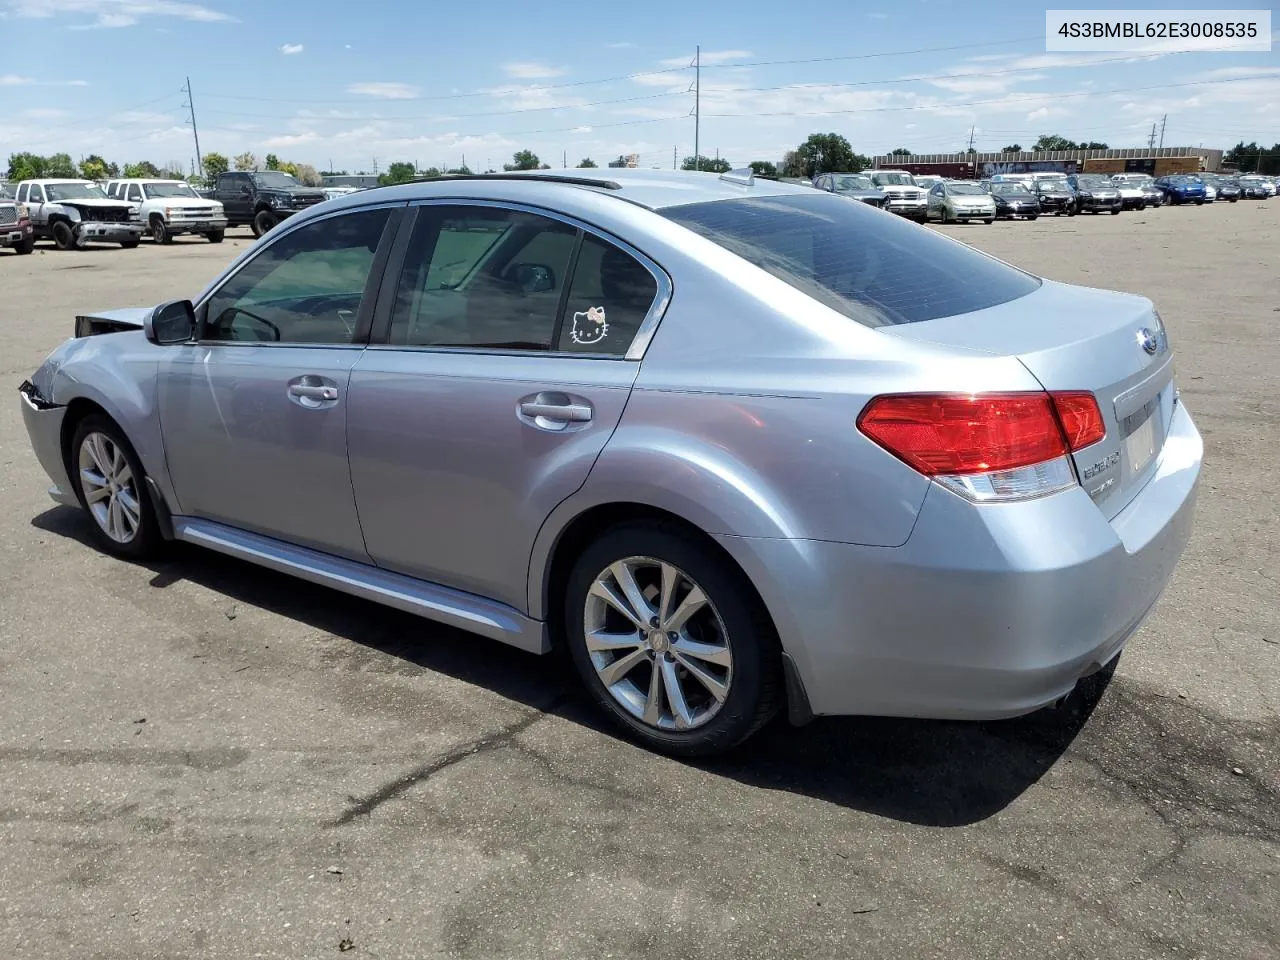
203, 759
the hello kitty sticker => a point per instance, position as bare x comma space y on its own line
589, 326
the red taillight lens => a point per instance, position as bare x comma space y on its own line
1081, 418
963, 434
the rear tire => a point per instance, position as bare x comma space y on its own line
729, 639
989, 220
25, 246
111, 486
1115, 213
216, 236
128, 244
1033, 216
63, 237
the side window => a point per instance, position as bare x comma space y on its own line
135, 192
37, 193
937, 190
609, 298
482, 277
306, 287
22, 193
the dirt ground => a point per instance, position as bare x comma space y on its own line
203, 759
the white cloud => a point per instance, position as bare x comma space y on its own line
108, 14
44, 113
13, 80
289, 49
580, 130
530, 70
710, 58
622, 45
386, 91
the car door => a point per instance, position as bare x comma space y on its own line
495, 377
35, 207
230, 193
935, 201
254, 411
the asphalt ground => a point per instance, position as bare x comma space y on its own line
200, 758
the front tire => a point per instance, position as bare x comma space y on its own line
1033, 216
63, 236
263, 221
670, 640
1115, 213
216, 236
989, 220
159, 231
111, 485
129, 244
25, 246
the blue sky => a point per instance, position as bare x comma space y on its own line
346, 83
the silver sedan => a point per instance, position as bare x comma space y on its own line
740, 446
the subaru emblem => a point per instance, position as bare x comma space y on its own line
1147, 340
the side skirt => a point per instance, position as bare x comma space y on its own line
441, 604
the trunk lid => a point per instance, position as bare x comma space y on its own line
1077, 338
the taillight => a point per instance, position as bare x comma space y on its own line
997, 446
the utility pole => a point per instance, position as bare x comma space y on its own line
971, 129
564, 161
697, 106
675, 150
191, 105
1151, 137
1163, 121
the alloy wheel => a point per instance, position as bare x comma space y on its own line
110, 490
657, 643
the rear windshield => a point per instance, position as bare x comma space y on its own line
874, 268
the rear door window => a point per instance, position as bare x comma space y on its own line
874, 269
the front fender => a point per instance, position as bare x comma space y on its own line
55, 211
117, 372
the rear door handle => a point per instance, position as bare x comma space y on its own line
566, 412
309, 392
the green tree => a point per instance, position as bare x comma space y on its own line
214, 164
333, 173
246, 161
141, 170
1094, 145
60, 165
587, 164
899, 152
827, 153
764, 169
93, 167
398, 172
1254, 158
307, 175
792, 164
1051, 141
431, 172
26, 166
273, 162
1012, 148
462, 171
523, 160
707, 164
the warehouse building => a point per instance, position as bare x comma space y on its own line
975, 166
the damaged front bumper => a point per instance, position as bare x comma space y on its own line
96, 231
43, 420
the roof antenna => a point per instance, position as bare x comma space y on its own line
746, 176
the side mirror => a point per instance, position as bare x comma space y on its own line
535, 277
245, 191
171, 322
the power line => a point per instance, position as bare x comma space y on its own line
191, 105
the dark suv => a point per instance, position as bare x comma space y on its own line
263, 198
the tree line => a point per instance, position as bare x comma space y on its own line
33, 166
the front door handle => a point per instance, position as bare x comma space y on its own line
565, 412
309, 392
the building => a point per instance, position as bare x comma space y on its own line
976, 166
361, 180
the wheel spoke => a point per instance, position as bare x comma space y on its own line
610, 596
129, 510
721, 656
694, 601
113, 518
124, 476
602, 640
675, 695
91, 446
653, 704
97, 481
626, 580
615, 671
667, 596
714, 687
117, 461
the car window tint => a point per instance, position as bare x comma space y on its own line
135, 192
609, 298
22, 193
482, 277
304, 288
874, 269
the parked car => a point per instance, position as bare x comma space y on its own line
15, 227
1095, 193
1132, 196
1013, 200
262, 199
855, 186
1266, 183
951, 200
1181, 188
1146, 183
485, 405
6, 191
926, 182
170, 208
1054, 196
1225, 188
331, 192
901, 193
74, 213
1252, 188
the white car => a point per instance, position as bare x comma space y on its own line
168, 208
1132, 194
73, 213
1267, 183
903, 195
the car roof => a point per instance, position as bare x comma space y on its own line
653, 189
48, 180
144, 180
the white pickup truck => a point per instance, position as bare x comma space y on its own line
168, 208
74, 213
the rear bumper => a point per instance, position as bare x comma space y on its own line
985, 612
43, 421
